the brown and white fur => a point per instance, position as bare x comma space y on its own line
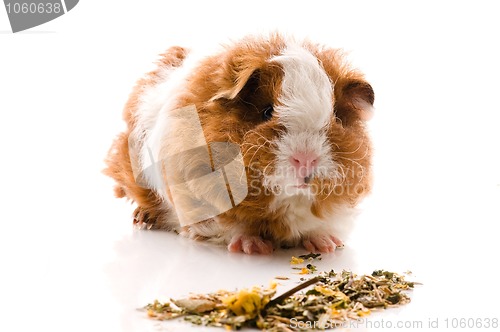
306, 160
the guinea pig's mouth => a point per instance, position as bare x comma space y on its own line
305, 182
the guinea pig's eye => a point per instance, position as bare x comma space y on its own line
267, 112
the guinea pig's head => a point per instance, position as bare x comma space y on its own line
298, 112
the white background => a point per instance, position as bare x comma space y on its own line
70, 260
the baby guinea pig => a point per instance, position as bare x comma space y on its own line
296, 113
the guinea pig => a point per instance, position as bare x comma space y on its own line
295, 111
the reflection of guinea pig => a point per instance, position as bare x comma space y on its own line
296, 110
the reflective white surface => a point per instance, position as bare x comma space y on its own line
70, 259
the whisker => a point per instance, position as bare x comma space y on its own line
360, 158
256, 133
349, 152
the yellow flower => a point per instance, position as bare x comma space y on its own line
330, 292
363, 313
324, 291
246, 302
296, 260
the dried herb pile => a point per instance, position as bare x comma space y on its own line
329, 299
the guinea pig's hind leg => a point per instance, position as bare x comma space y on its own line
250, 245
321, 243
140, 217
154, 217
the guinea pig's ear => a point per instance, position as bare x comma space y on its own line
235, 74
236, 85
356, 102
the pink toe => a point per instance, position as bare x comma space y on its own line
266, 247
338, 242
309, 246
250, 245
323, 247
235, 245
322, 243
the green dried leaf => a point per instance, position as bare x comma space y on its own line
313, 292
310, 256
312, 268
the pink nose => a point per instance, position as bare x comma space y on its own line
303, 163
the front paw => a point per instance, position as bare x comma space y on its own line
250, 245
322, 243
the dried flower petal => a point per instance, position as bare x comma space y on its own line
195, 305
295, 260
281, 278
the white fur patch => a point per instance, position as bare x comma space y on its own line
154, 118
301, 221
306, 109
306, 97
